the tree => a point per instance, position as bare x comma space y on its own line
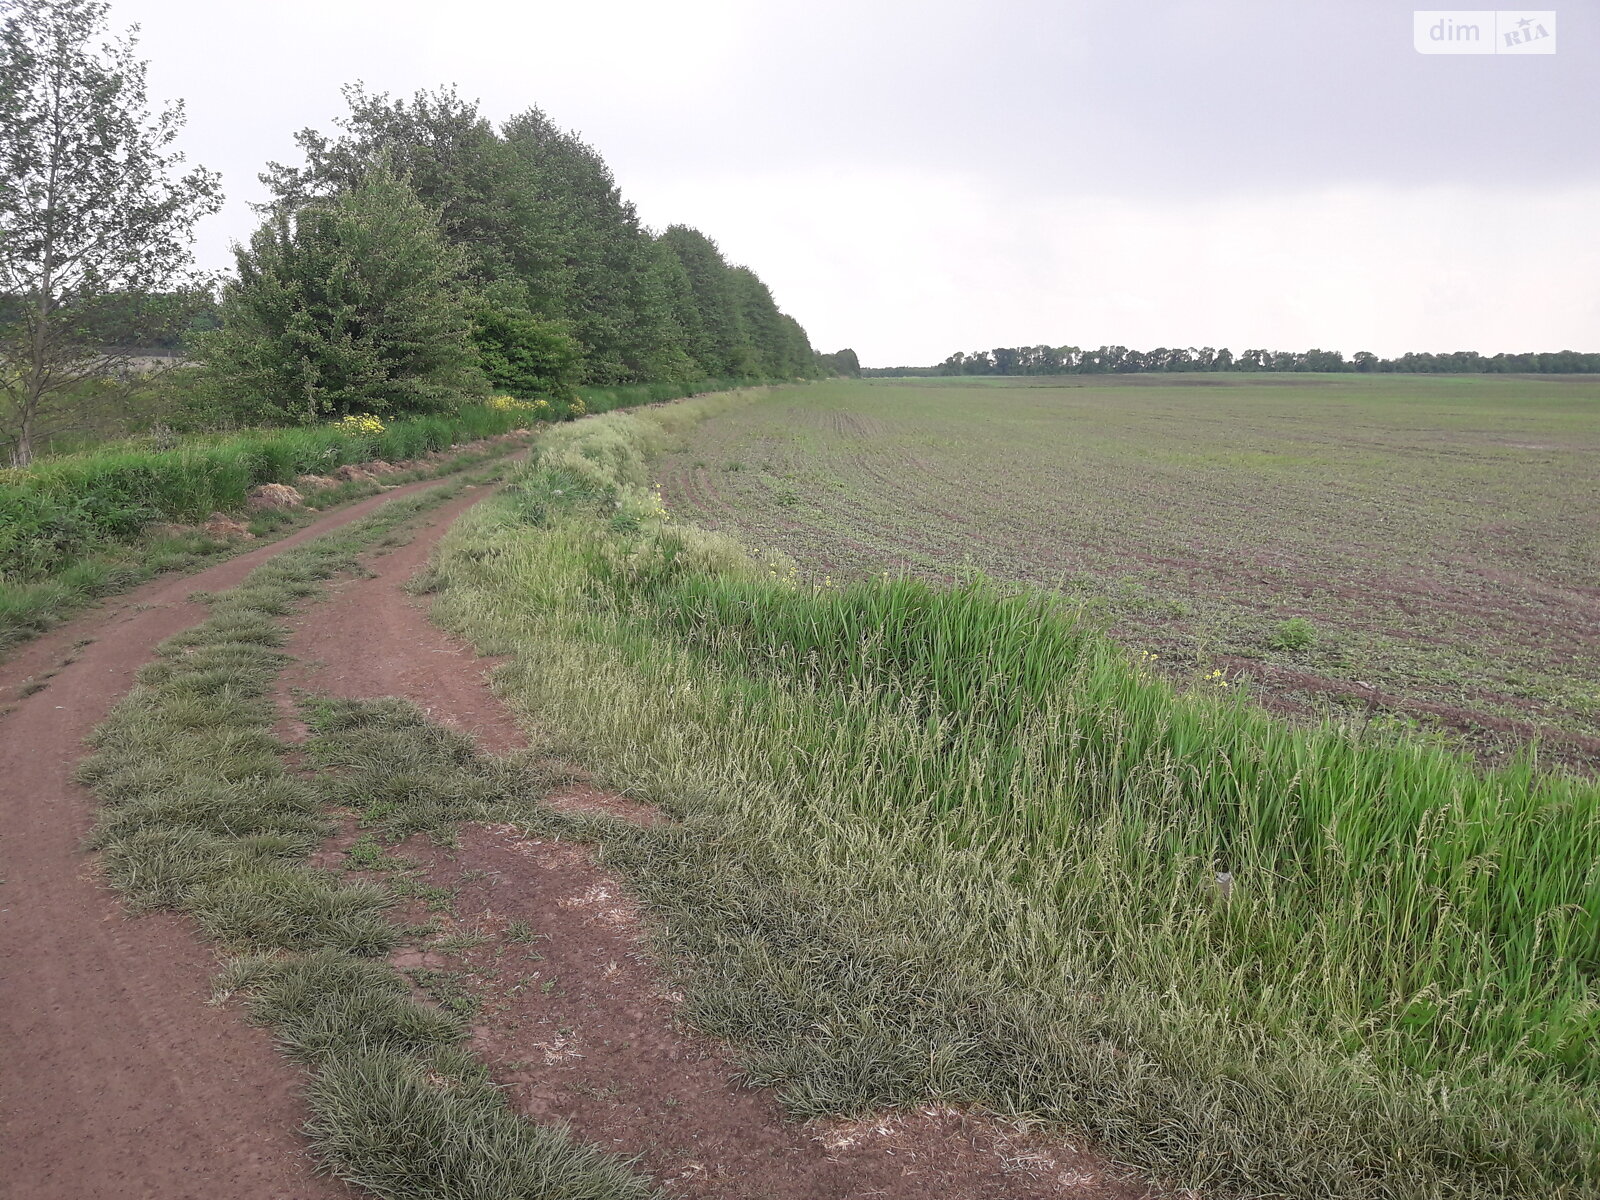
615, 302
715, 299
90, 213
524, 355
844, 362
544, 229
353, 304
687, 327
485, 201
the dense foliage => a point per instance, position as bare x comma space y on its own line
545, 235
1070, 360
351, 304
841, 362
523, 355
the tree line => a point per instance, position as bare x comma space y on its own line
418, 253
840, 362
1071, 360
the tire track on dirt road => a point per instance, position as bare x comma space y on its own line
122, 1082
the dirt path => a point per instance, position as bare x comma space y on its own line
573, 1018
120, 1081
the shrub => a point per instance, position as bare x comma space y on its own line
526, 356
348, 305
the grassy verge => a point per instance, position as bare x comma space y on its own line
29, 608
952, 844
59, 509
632, 395
79, 527
201, 814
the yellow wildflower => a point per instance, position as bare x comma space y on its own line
359, 423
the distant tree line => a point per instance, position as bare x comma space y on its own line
158, 321
1071, 360
840, 362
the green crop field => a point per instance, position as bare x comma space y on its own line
1420, 549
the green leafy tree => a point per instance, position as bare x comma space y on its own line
350, 304
696, 355
613, 303
544, 230
486, 200
92, 216
760, 326
525, 355
799, 359
715, 300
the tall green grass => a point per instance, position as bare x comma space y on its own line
632, 395
78, 527
60, 508
30, 607
954, 844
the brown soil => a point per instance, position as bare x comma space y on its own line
1493, 739
121, 1080
573, 1019
575, 1022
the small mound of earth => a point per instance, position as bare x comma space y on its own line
308, 482
274, 496
221, 525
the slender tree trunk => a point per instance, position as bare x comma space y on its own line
34, 385
38, 373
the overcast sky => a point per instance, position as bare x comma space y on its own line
917, 177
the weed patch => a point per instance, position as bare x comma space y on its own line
1296, 633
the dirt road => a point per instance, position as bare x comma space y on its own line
120, 1080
